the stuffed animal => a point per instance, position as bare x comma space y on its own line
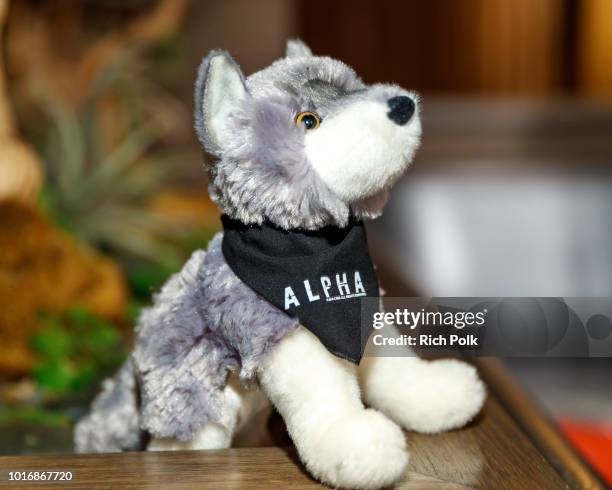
302, 151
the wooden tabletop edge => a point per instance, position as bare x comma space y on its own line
543, 433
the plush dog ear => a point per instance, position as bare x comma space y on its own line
219, 89
297, 49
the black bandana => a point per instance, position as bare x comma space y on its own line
317, 276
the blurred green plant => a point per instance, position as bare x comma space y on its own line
101, 175
32, 415
75, 350
145, 277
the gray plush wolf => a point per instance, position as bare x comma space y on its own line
302, 144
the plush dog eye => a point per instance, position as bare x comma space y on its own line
310, 120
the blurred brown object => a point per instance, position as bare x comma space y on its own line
88, 82
43, 270
7, 122
20, 169
19, 392
505, 47
595, 48
517, 45
59, 52
55, 44
187, 207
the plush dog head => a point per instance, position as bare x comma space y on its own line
304, 142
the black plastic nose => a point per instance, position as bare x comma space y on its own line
401, 109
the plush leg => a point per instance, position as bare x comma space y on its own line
240, 406
340, 442
425, 396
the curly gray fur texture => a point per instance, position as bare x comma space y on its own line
114, 422
265, 154
187, 342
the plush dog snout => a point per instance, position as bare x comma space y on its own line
401, 108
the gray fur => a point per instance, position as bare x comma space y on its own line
187, 342
205, 322
265, 155
114, 422
200, 116
297, 49
272, 165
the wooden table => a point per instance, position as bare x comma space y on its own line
511, 445
494, 452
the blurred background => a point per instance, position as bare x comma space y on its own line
103, 192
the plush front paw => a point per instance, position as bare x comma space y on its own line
210, 436
427, 397
361, 450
